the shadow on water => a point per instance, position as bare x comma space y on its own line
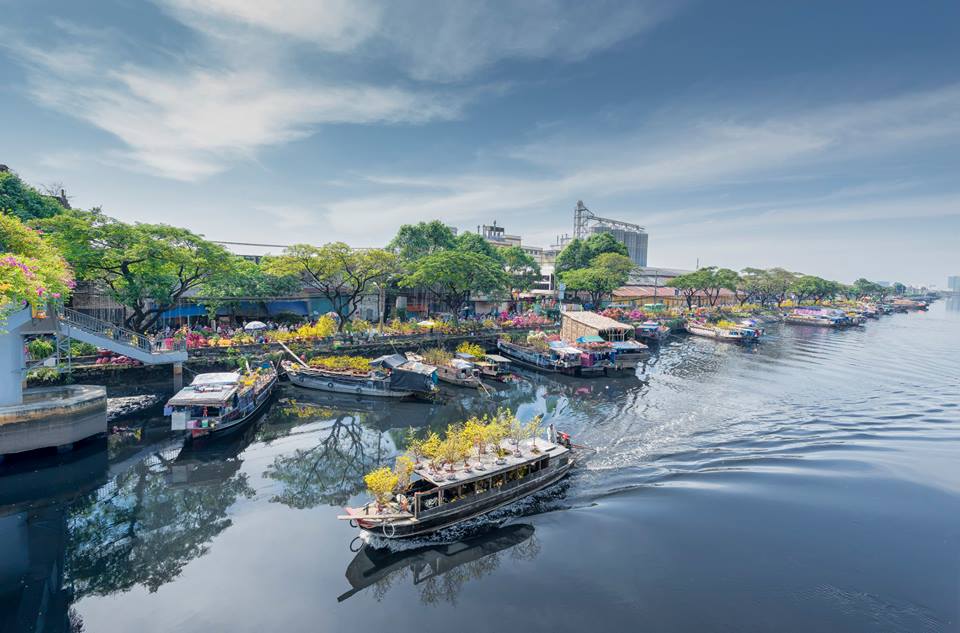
35, 536
439, 571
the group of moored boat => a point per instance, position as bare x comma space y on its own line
216, 403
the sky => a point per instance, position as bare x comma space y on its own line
823, 137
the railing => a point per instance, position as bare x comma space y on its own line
108, 330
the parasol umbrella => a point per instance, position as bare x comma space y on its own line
255, 325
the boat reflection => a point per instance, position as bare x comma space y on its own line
439, 571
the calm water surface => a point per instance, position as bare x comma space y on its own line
812, 484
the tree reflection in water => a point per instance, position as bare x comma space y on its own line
331, 471
151, 520
440, 571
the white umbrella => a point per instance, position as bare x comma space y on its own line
255, 325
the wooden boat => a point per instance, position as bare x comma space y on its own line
457, 371
733, 334
816, 316
550, 360
217, 402
909, 304
628, 353
441, 499
392, 377
653, 332
492, 367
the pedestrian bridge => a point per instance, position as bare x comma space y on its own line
106, 335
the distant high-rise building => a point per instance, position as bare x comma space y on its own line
953, 283
633, 236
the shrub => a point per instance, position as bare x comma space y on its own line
40, 349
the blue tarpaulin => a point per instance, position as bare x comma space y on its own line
287, 307
182, 312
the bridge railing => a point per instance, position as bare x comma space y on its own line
108, 330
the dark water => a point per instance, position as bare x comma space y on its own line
812, 484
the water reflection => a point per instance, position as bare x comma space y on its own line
439, 571
331, 471
154, 517
34, 536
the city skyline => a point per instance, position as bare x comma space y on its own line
818, 138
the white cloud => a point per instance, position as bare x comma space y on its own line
331, 25
190, 122
675, 158
237, 84
440, 40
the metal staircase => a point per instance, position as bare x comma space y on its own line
106, 335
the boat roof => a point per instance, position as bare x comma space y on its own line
491, 468
496, 358
213, 394
219, 378
628, 344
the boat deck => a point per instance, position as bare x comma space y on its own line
489, 464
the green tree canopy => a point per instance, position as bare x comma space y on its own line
147, 267
475, 243
452, 275
812, 287
23, 201
595, 281
341, 274
414, 241
247, 281
580, 253
520, 266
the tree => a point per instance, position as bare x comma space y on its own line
381, 483
452, 275
31, 270
899, 289
414, 241
247, 281
474, 243
580, 253
341, 274
813, 287
26, 203
147, 267
600, 243
574, 255
522, 268
596, 282
777, 282
713, 281
867, 288
687, 285
751, 286
615, 263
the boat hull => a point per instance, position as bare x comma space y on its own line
719, 335
326, 383
812, 322
531, 364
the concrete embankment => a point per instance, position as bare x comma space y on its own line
53, 417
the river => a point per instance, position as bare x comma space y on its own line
810, 484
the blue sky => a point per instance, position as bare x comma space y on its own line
819, 136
